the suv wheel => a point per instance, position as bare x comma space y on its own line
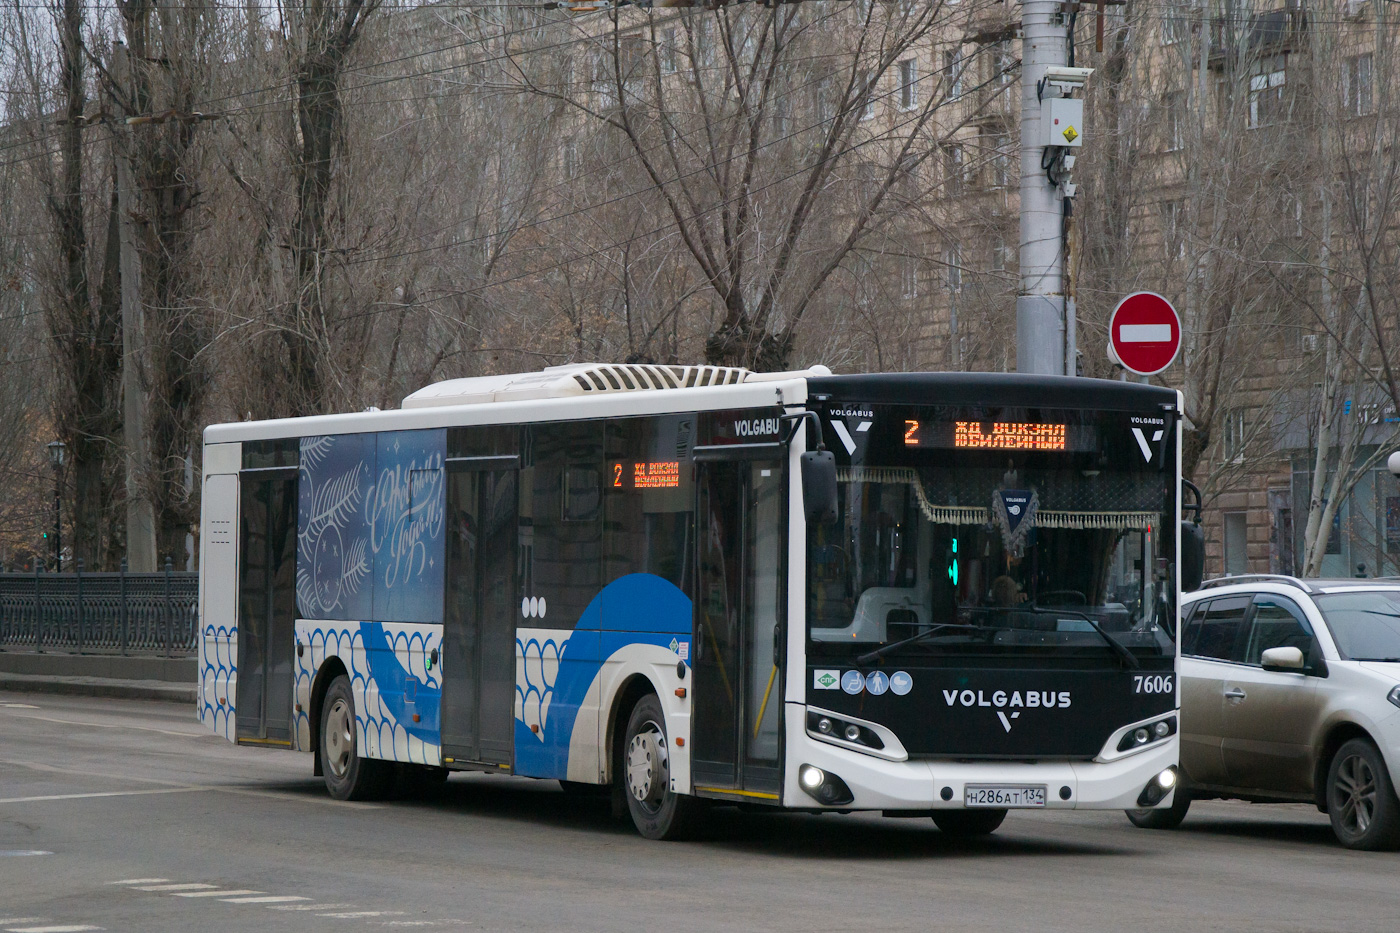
1360, 798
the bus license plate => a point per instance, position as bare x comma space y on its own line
1003, 795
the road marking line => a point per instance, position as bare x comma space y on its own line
270, 899
360, 914
140, 881
103, 725
20, 853
191, 886
107, 793
18, 706
58, 929
7, 920
212, 893
310, 906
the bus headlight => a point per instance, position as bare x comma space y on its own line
827, 726
1144, 735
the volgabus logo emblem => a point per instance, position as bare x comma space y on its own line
1008, 704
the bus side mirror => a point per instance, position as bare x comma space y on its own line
1193, 556
819, 486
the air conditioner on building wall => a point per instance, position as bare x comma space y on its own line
1310, 343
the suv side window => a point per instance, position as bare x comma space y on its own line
1191, 625
1217, 629
1278, 623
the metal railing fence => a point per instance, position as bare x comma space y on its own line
100, 613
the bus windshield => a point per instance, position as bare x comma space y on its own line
981, 551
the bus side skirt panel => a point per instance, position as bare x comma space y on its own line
390, 678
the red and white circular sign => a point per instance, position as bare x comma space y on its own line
1144, 333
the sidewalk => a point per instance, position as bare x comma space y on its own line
134, 678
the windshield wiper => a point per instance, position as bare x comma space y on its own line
1130, 661
883, 650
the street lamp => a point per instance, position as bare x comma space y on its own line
56, 452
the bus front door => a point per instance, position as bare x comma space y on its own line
738, 690
478, 635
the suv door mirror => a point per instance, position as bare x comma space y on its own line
1193, 556
1288, 660
819, 487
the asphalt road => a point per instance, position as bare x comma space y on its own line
125, 816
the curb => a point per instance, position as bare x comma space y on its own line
101, 687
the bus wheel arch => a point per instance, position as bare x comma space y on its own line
330, 669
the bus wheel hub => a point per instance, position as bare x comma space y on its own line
646, 768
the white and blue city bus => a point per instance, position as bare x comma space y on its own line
654, 578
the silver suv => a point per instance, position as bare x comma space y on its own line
1290, 691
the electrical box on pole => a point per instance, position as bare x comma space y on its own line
1063, 121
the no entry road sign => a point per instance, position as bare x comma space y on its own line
1144, 333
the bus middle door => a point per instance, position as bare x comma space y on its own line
478, 636
738, 690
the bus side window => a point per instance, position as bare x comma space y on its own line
561, 549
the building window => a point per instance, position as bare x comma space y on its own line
1232, 440
1236, 543
1392, 524
909, 277
868, 111
1003, 63
1358, 89
1174, 229
952, 259
954, 166
669, 53
1267, 104
908, 88
1000, 254
953, 72
1174, 107
1176, 25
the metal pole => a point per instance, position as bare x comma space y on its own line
57, 519
1040, 305
122, 593
169, 622
78, 567
38, 606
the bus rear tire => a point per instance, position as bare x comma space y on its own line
966, 823
347, 775
1164, 817
657, 811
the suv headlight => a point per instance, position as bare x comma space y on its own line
1394, 695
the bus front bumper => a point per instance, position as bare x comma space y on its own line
936, 784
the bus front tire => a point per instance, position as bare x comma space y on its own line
645, 776
347, 775
965, 823
1162, 817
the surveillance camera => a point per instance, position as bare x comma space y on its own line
1393, 463
1057, 74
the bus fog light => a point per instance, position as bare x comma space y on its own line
1157, 788
1167, 779
823, 786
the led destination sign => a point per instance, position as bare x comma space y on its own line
1009, 435
654, 474
993, 435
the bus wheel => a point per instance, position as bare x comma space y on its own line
658, 811
965, 823
348, 776
1164, 817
